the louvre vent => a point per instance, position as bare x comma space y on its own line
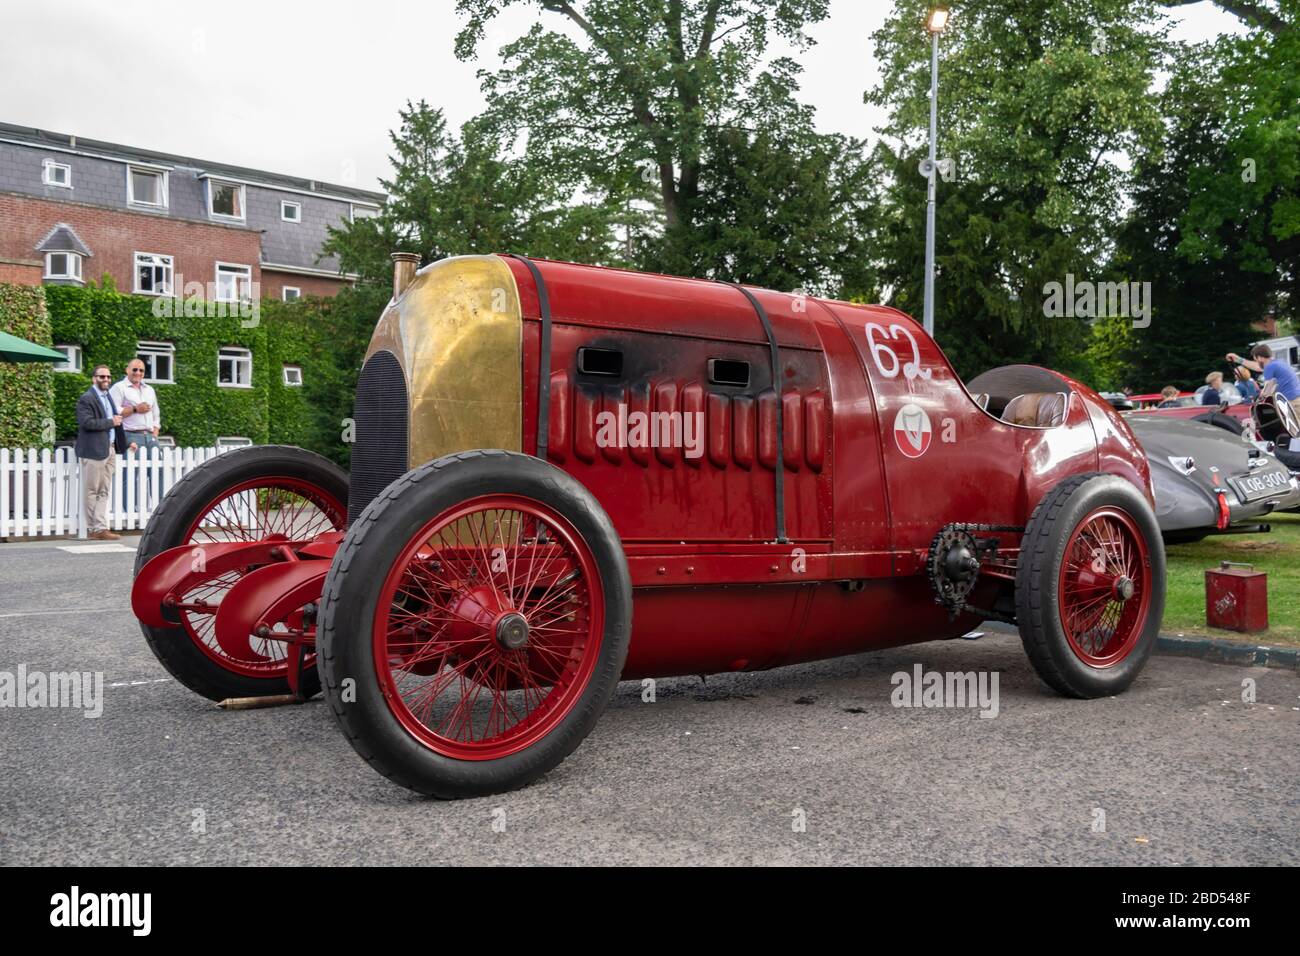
379, 454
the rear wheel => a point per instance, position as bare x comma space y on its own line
266, 492
1090, 585
474, 624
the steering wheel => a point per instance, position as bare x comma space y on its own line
1286, 415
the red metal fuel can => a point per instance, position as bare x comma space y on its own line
1236, 597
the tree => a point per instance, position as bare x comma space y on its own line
1214, 222
642, 84
1039, 103
671, 108
454, 195
1244, 194
1256, 14
784, 209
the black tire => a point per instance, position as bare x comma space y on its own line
1043, 548
1287, 457
181, 506
346, 621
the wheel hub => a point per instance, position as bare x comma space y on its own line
474, 611
1124, 588
512, 631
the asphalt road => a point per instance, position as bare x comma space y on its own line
711, 772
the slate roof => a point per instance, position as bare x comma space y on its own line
63, 238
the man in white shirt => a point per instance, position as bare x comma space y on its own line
142, 424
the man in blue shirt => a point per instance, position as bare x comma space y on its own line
1288, 383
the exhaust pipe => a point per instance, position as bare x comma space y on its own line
404, 266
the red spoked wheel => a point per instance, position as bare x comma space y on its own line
488, 626
1105, 587
270, 508
1090, 585
260, 493
474, 623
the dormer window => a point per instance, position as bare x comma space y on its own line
63, 252
146, 187
56, 174
225, 199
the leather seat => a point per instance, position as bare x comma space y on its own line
1039, 409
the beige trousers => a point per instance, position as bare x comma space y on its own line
1295, 406
96, 483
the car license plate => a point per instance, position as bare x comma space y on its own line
1262, 485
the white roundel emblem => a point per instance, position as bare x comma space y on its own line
912, 431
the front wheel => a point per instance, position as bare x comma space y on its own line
1090, 585
474, 623
260, 493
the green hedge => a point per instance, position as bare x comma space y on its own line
26, 389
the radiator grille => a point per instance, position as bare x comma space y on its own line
379, 454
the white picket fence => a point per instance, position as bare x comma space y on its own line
40, 491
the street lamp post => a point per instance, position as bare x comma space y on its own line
935, 24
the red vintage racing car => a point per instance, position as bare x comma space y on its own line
564, 476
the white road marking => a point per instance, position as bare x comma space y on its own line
95, 548
137, 683
66, 610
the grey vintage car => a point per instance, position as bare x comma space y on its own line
1209, 480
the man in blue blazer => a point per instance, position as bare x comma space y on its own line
98, 418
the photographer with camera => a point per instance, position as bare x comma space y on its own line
1288, 383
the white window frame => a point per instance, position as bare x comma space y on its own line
238, 270
287, 378
286, 204
169, 265
371, 211
49, 165
284, 293
74, 360
245, 359
154, 350
243, 200
162, 187
73, 261
233, 441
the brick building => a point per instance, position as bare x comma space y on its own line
73, 209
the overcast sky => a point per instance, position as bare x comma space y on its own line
312, 89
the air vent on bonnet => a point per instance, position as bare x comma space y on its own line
379, 454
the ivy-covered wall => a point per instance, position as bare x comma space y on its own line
291, 339
195, 409
26, 389
325, 337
